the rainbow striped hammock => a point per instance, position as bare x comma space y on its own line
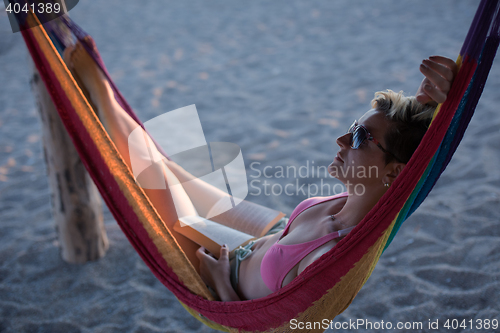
328, 286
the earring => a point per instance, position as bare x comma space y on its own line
387, 185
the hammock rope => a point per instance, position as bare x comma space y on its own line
326, 287
478, 58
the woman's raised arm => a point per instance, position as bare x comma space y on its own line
439, 74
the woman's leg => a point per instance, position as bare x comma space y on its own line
119, 125
116, 121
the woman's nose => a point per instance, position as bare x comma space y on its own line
343, 141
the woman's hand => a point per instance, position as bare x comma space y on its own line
439, 73
216, 273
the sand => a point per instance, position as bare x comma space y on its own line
282, 80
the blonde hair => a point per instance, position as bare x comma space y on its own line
409, 122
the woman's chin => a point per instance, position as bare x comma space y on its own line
333, 170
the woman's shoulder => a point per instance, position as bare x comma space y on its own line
314, 201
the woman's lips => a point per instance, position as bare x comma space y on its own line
339, 158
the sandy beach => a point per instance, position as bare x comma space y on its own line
282, 80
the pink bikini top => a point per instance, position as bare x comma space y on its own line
280, 259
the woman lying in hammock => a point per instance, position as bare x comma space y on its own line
384, 138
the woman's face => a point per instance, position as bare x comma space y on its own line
365, 165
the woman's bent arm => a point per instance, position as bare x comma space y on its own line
216, 273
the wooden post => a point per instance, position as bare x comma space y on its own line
76, 203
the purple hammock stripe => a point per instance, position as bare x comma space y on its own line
482, 10
481, 76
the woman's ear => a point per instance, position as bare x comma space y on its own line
393, 170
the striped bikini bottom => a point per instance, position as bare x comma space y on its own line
243, 252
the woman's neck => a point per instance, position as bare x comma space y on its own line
357, 207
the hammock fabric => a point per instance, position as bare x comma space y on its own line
327, 287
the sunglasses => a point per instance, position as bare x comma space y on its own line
359, 134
